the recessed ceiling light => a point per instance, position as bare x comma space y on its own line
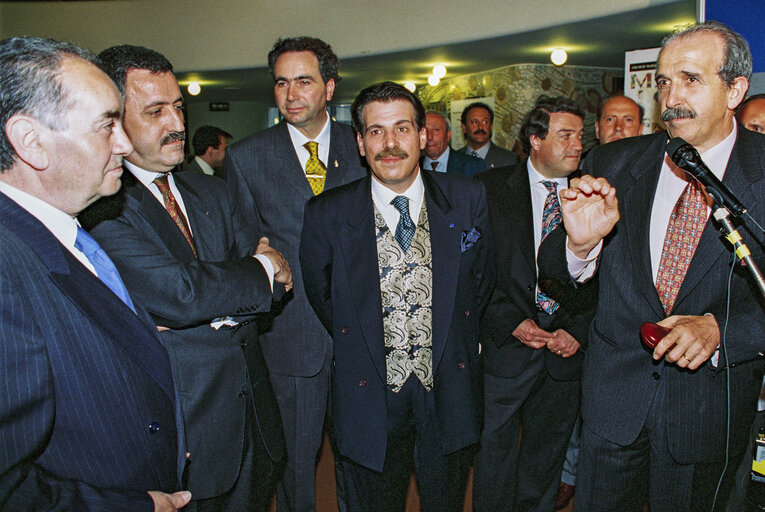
410, 85
433, 80
194, 88
558, 56
439, 71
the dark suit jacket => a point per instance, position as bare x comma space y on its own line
265, 177
496, 156
338, 253
514, 299
211, 367
620, 377
87, 412
193, 166
459, 163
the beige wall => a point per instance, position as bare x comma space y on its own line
228, 34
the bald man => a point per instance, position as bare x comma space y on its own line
751, 113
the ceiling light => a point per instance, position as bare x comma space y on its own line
194, 88
433, 80
410, 85
439, 71
558, 56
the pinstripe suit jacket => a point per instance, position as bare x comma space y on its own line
87, 409
620, 378
265, 177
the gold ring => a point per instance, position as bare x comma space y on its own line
686, 358
559, 352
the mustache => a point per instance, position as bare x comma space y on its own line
677, 113
479, 131
391, 152
172, 137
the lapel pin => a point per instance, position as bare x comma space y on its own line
451, 226
336, 164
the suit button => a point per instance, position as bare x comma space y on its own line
461, 365
344, 330
362, 383
153, 427
467, 312
656, 376
243, 394
530, 287
243, 344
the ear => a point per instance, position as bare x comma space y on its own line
737, 91
597, 131
360, 142
464, 130
448, 136
534, 140
423, 137
26, 135
330, 88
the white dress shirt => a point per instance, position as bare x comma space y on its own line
62, 225
382, 197
298, 140
206, 168
482, 151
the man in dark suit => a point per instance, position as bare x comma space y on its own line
477, 120
663, 426
532, 348
272, 174
186, 252
397, 266
209, 143
439, 156
88, 412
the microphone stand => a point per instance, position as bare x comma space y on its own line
722, 215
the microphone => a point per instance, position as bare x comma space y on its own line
687, 158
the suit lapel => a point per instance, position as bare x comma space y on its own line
638, 203
359, 249
288, 166
445, 252
204, 225
93, 298
343, 156
517, 206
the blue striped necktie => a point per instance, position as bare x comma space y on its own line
105, 269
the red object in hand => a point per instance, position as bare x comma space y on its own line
652, 334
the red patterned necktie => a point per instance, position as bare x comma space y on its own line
686, 223
171, 205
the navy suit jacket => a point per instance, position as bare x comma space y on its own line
514, 298
87, 412
620, 377
338, 254
265, 177
215, 371
496, 156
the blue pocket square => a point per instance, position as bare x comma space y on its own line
469, 238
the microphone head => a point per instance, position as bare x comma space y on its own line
683, 154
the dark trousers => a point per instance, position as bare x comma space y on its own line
412, 444
509, 477
613, 477
255, 486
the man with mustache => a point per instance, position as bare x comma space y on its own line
477, 119
532, 347
663, 422
397, 267
439, 156
272, 174
186, 252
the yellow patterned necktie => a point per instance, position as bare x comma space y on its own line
315, 171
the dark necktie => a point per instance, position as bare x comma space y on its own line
405, 228
551, 217
105, 269
171, 205
686, 223
315, 170
434, 165
475, 154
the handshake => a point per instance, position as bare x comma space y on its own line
282, 273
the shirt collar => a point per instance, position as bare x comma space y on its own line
482, 151
298, 139
142, 175
535, 177
383, 195
717, 156
58, 222
206, 168
442, 159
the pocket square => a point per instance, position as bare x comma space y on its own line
469, 238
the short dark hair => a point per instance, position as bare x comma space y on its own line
477, 104
537, 121
30, 83
748, 99
207, 136
385, 92
599, 113
738, 58
117, 61
328, 61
